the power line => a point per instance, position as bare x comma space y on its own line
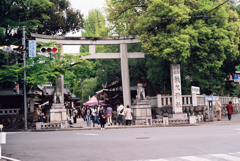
200, 16
216, 7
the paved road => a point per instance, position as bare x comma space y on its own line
169, 143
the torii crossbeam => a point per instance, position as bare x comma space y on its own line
92, 41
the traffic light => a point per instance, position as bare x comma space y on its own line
16, 89
49, 50
18, 49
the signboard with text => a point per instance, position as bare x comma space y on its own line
195, 90
32, 48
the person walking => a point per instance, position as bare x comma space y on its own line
230, 110
75, 114
120, 112
109, 112
114, 117
128, 115
83, 114
94, 114
88, 115
102, 116
218, 110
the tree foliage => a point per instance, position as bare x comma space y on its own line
177, 31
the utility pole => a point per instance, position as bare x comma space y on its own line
24, 77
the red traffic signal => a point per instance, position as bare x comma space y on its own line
49, 50
16, 86
18, 49
16, 89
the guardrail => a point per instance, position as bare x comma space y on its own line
200, 99
51, 125
9, 111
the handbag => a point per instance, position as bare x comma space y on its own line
121, 111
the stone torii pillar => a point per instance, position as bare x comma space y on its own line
92, 41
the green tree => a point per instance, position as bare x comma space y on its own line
15, 14
176, 31
62, 19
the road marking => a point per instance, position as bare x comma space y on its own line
12, 159
86, 134
13, 132
225, 156
157, 160
194, 158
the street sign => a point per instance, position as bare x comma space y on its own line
32, 48
195, 90
236, 78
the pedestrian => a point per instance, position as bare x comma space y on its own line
70, 112
128, 115
230, 110
48, 115
83, 113
75, 114
109, 112
120, 112
102, 116
114, 117
79, 112
88, 115
218, 110
94, 114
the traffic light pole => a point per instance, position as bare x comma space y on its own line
24, 77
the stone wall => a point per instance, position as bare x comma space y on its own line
16, 122
159, 113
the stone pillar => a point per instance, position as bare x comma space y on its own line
125, 75
176, 89
31, 106
92, 49
58, 111
194, 99
159, 100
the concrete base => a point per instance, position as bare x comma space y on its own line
192, 119
57, 115
57, 106
179, 116
165, 121
149, 121
38, 125
142, 113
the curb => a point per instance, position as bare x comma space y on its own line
115, 127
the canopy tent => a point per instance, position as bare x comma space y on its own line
103, 104
93, 100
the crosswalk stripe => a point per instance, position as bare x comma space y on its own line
157, 160
194, 158
227, 157
153, 160
207, 157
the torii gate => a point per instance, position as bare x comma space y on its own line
92, 41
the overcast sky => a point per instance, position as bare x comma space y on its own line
84, 6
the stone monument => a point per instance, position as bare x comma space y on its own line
58, 110
141, 107
176, 92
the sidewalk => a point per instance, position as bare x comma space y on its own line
224, 121
82, 125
